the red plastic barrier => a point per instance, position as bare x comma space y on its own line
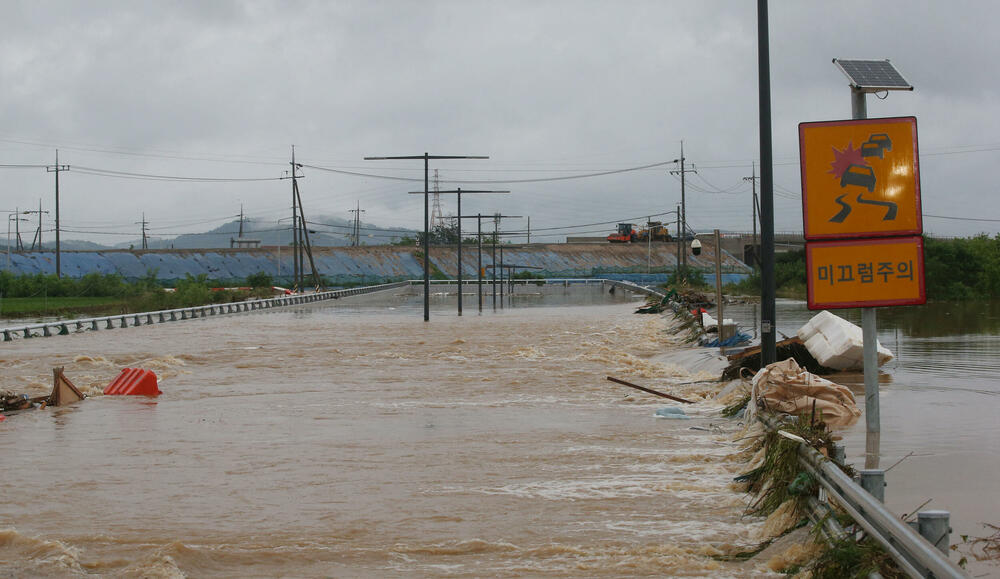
2, 418
134, 382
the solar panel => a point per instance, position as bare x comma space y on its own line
872, 75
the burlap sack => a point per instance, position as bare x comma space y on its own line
786, 387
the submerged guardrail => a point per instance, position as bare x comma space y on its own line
63, 327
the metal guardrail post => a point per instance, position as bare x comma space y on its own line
873, 481
936, 528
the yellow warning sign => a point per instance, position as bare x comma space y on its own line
865, 273
860, 178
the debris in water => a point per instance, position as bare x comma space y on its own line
672, 412
650, 390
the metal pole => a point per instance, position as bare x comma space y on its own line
720, 332
767, 302
459, 251
501, 276
479, 267
680, 247
649, 245
58, 264
295, 230
493, 262
753, 200
427, 247
683, 214
869, 333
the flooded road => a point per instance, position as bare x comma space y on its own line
352, 439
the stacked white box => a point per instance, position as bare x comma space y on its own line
837, 343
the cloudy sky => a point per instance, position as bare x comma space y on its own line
219, 91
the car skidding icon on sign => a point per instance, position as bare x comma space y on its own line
861, 175
860, 178
876, 145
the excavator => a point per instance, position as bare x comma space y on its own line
627, 233
655, 230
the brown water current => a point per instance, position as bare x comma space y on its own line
352, 439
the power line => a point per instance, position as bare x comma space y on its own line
536, 180
152, 177
959, 218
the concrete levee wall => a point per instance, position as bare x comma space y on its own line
368, 264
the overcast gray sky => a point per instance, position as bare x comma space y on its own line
222, 89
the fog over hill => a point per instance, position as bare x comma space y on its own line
324, 231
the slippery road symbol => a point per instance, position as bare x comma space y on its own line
851, 167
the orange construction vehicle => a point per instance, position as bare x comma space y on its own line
626, 234
654, 231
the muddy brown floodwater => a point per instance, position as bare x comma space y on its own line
351, 439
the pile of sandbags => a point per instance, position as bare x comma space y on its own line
837, 343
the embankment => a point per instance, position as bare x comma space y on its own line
372, 264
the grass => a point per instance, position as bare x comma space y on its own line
26, 307
847, 558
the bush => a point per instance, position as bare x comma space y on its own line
260, 280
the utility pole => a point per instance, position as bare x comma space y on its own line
479, 273
427, 245
768, 352
680, 246
529, 230
356, 230
683, 232
57, 168
144, 223
458, 219
296, 256
753, 183
493, 258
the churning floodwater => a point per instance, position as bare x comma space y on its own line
351, 439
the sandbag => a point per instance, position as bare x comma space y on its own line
786, 387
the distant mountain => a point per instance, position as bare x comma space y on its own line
324, 231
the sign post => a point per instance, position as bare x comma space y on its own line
862, 223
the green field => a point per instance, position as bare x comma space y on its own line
41, 306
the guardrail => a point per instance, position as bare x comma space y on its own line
62, 327
914, 554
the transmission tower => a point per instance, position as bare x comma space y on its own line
144, 223
38, 232
437, 219
356, 229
